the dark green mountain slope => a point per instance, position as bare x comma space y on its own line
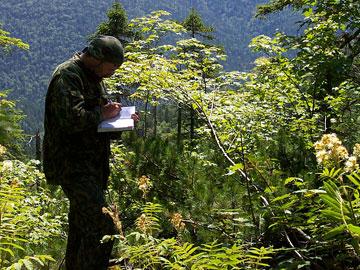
56, 29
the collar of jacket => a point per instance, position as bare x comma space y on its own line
89, 73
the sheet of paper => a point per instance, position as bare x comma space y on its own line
126, 112
121, 122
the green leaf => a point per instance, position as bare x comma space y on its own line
280, 198
331, 202
333, 215
354, 229
12, 244
308, 12
16, 266
353, 180
331, 188
38, 260
336, 231
295, 180
8, 250
47, 258
28, 264
234, 168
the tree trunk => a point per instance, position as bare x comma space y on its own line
155, 119
192, 126
37, 146
145, 113
179, 120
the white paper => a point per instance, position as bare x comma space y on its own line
120, 122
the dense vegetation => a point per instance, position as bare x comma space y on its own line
227, 169
56, 29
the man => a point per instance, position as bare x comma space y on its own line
76, 156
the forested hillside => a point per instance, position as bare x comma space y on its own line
227, 169
54, 31
57, 29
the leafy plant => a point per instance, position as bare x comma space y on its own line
26, 225
141, 249
7, 42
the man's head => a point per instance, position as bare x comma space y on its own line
106, 55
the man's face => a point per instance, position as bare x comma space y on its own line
106, 69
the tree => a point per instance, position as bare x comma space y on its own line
11, 133
146, 74
10, 117
326, 61
177, 74
195, 26
116, 25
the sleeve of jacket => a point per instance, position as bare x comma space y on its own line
68, 106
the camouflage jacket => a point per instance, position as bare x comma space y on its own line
72, 145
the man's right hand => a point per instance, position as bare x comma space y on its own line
110, 110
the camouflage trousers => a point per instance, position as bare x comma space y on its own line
87, 225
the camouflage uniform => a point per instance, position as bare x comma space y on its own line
76, 156
72, 144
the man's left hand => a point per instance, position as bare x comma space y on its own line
136, 117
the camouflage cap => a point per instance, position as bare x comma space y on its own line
106, 48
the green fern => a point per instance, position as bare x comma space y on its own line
145, 251
258, 256
342, 210
330, 174
148, 222
25, 223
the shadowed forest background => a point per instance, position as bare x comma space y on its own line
246, 155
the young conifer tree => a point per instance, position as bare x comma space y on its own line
116, 24
195, 26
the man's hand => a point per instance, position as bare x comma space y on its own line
135, 117
110, 110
